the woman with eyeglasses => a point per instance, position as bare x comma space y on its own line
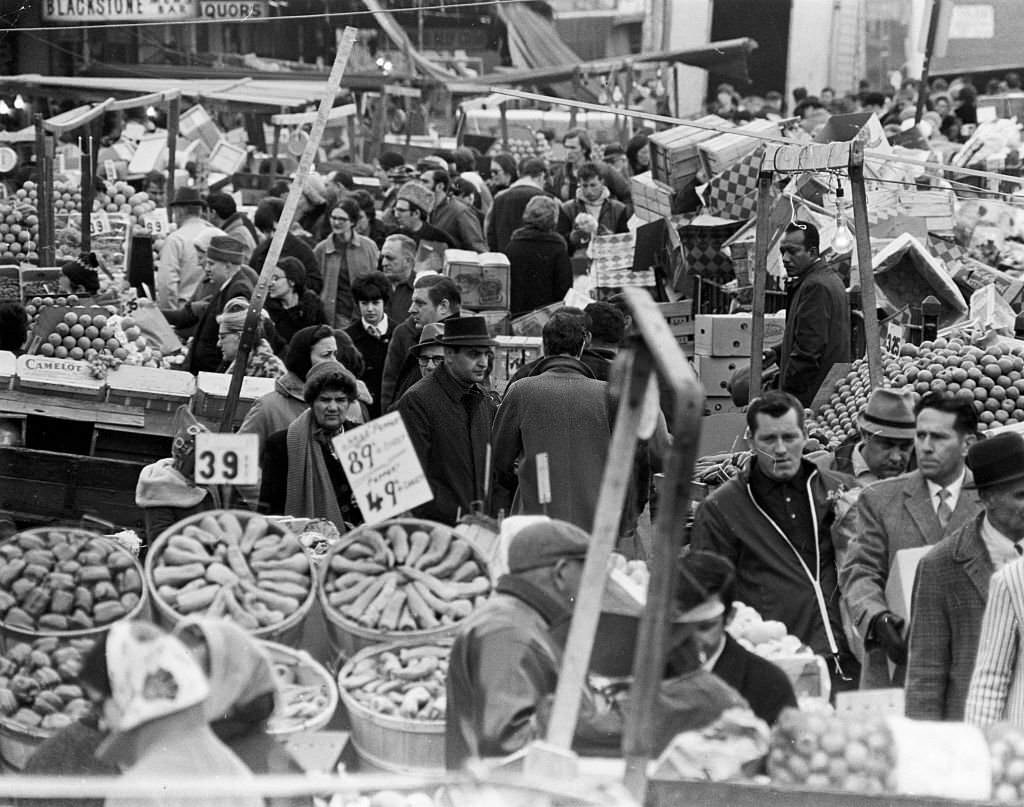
261, 362
290, 304
344, 256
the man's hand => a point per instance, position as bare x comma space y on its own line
887, 631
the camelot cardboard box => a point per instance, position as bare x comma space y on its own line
729, 334
66, 377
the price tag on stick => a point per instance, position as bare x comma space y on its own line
383, 469
227, 459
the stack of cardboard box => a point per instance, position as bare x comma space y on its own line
721, 347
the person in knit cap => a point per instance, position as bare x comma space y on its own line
302, 475
79, 275
222, 263
262, 362
290, 304
413, 206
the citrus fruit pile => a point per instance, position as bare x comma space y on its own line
825, 751
992, 377
1006, 750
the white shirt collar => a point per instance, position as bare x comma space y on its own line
712, 660
382, 326
1000, 547
953, 487
861, 471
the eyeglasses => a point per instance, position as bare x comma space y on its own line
426, 361
340, 218
275, 278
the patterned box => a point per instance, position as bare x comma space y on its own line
611, 262
732, 194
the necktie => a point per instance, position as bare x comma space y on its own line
372, 330
944, 511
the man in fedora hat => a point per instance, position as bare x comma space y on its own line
228, 278
950, 621
178, 273
559, 412
449, 418
913, 510
886, 428
996, 693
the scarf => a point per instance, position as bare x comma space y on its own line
310, 492
551, 610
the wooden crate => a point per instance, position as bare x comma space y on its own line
674, 156
651, 199
150, 387
212, 392
724, 151
10, 288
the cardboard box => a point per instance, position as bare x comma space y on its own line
900, 585
60, 376
10, 288
511, 353
971, 275
724, 151
720, 406
651, 199
212, 392
8, 369
150, 387
483, 279
679, 316
531, 324
808, 674
41, 282
674, 156
729, 334
714, 373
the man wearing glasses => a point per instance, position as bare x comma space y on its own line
412, 209
449, 418
343, 257
817, 315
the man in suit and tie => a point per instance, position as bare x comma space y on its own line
966, 599
912, 510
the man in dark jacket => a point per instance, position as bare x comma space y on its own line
817, 315
452, 215
226, 274
594, 198
449, 418
372, 331
397, 261
705, 600
413, 206
773, 523
566, 178
506, 214
266, 217
505, 662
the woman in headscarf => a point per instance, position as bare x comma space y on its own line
154, 696
262, 361
539, 269
243, 696
302, 474
290, 304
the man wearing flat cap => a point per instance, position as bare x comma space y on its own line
505, 662
912, 510
226, 275
449, 417
952, 632
178, 272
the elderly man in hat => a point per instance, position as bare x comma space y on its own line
178, 274
913, 510
413, 206
228, 278
505, 660
962, 617
449, 418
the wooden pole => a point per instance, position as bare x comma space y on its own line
614, 486
933, 28
275, 150
88, 186
764, 227
862, 232
173, 117
46, 225
503, 113
686, 402
284, 225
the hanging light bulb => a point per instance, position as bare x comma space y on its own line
19, 102
151, 112
4, 109
842, 241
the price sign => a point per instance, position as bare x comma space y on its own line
227, 459
893, 338
110, 169
156, 221
99, 223
383, 469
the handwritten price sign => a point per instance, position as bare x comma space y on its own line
382, 467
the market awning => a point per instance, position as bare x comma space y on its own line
728, 57
533, 41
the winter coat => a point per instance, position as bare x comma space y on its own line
287, 321
611, 219
294, 247
375, 351
450, 426
817, 331
506, 214
460, 222
242, 231
204, 354
178, 273
560, 410
769, 574
766, 687
540, 272
360, 258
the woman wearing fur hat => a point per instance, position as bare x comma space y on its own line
262, 362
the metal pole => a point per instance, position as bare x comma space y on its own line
862, 231
46, 225
933, 28
284, 225
764, 226
173, 116
88, 184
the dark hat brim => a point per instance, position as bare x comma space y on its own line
467, 341
418, 347
973, 484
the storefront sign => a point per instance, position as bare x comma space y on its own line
383, 468
68, 11
232, 9
972, 22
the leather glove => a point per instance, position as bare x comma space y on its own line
887, 631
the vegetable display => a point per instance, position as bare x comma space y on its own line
63, 579
405, 577
307, 696
230, 564
404, 682
38, 683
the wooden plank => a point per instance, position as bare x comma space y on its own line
862, 230
828, 386
87, 411
764, 205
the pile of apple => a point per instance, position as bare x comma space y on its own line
828, 752
768, 638
1006, 752
991, 376
522, 147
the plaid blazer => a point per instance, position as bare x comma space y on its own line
950, 592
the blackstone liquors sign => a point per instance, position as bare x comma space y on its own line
70, 11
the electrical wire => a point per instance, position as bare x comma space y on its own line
449, 6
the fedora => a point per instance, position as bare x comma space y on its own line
188, 196
466, 332
996, 459
889, 413
430, 336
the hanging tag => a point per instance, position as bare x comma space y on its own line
543, 479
